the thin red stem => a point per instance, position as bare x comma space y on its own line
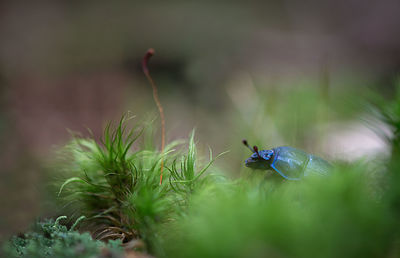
146, 72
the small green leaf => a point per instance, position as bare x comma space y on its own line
70, 180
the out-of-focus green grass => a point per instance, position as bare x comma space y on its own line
351, 213
334, 216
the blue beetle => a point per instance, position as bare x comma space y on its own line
289, 162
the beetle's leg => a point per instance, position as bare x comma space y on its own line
280, 173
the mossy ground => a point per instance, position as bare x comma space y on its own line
197, 212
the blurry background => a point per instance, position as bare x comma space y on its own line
276, 72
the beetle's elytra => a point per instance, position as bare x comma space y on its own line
289, 162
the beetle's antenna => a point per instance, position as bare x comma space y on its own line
146, 72
255, 148
244, 141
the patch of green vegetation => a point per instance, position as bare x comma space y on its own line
51, 239
334, 216
353, 212
119, 189
115, 183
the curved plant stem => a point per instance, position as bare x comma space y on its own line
146, 72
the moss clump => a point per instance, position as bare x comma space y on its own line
116, 185
51, 239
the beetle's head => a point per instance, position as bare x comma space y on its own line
259, 159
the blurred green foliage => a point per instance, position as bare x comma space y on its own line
335, 216
273, 113
353, 212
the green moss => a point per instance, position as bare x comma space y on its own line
115, 183
51, 239
119, 189
334, 216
